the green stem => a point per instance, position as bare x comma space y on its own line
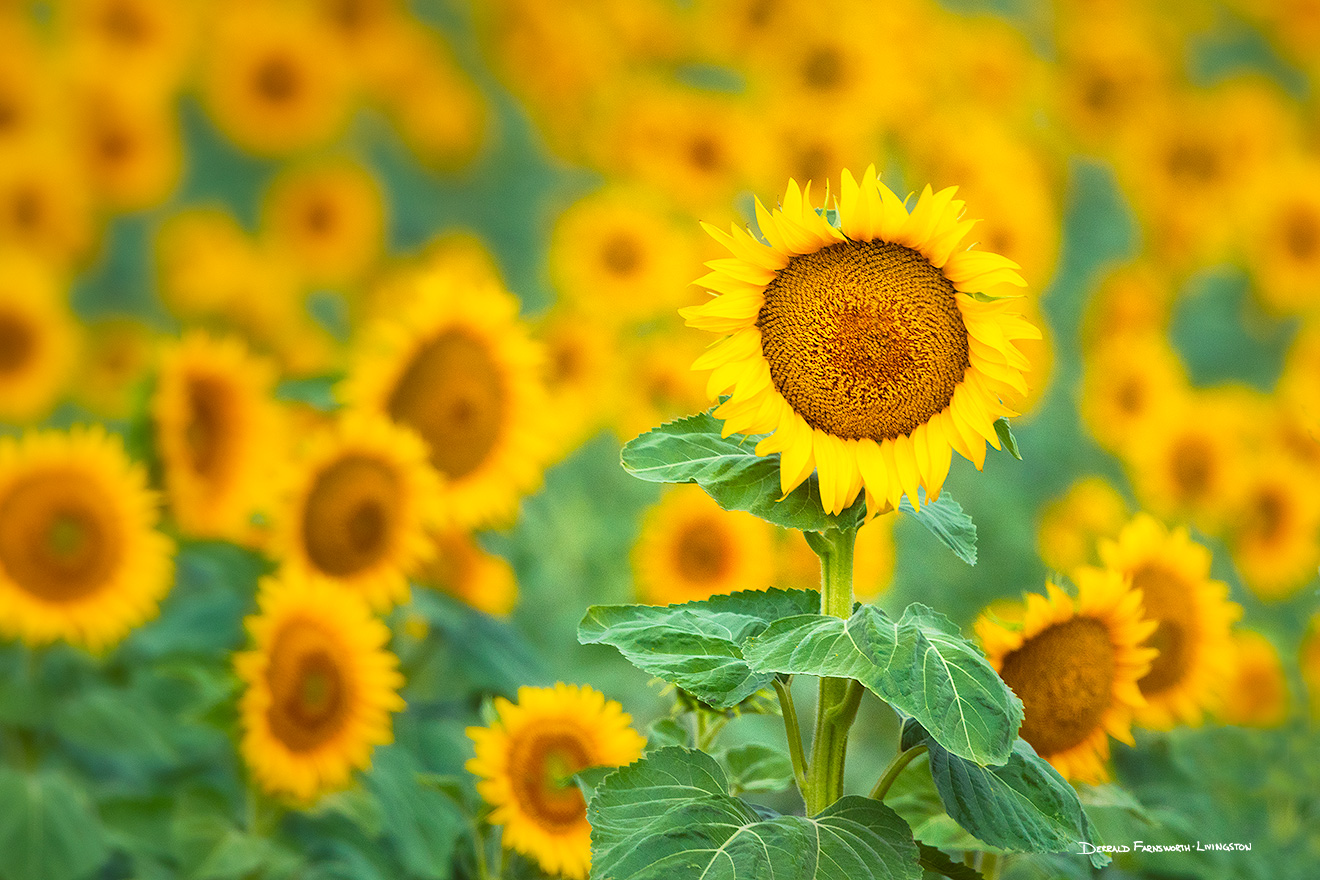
839, 697
895, 767
793, 730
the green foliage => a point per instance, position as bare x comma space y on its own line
48, 830
945, 519
1006, 438
318, 392
920, 665
756, 767
698, 645
421, 823
671, 815
1022, 805
938, 862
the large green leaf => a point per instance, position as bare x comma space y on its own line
47, 829
671, 815
691, 450
1023, 805
920, 665
698, 645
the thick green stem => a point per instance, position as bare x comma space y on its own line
901, 760
839, 697
793, 730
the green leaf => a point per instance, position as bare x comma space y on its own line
423, 824
1023, 805
318, 392
667, 732
1006, 437
938, 862
47, 828
944, 518
671, 815
691, 450
920, 665
697, 646
756, 767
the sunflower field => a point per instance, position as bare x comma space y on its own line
659, 439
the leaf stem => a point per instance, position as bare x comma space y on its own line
793, 730
901, 760
839, 697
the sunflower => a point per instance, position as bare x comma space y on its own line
200, 253
80, 557
1255, 690
1128, 381
38, 339
217, 432
1283, 239
797, 565
1276, 525
44, 208
859, 345
28, 95
148, 42
465, 571
458, 366
525, 761
660, 383
329, 218
1075, 666
690, 549
1192, 616
1133, 299
117, 355
130, 146
360, 501
320, 685
1070, 526
581, 374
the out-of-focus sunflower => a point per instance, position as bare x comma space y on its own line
360, 502
859, 345
525, 761
989, 64
38, 339
1256, 692
690, 549
1075, 665
1192, 613
465, 571
460, 256
1132, 300
329, 218
198, 253
621, 256
130, 146
814, 150
661, 385
117, 355
1129, 381
1091, 509
218, 434
1274, 530
459, 367
581, 374
272, 79
798, 566
1283, 238
80, 557
320, 687
44, 207
146, 42
28, 96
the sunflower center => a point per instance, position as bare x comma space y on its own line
27, 209
1065, 677
58, 536
453, 395
704, 153
1165, 596
864, 339
309, 691
541, 766
277, 80
207, 433
1193, 162
1301, 234
1269, 514
1131, 395
1101, 92
567, 362
823, 69
621, 255
348, 522
10, 112
701, 551
1192, 468
124, 24
320, 217
17, 343
114, 145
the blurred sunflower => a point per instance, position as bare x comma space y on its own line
690, 549
360, 501
80, 557
130, 147
38, 339
1134, 299
199, 253
1283, 238
146, 42
320, 685
117, 355
1091, 509
218, 434
28, 97
1128, 382
1192, 616
859, 345
44, 207
329, 218
468, 573
1255, 689
459, 367
798, 567
1274, 530
525, 761
272, 79
582, 373
1075, 665
661, 385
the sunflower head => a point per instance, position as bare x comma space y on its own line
1256, 692
1075, 665
525, 762
859, 345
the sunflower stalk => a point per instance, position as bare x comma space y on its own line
900, 762
793, 730
839, 697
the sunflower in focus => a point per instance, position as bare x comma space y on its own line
1075, 665
218, 433
1255, 690
80, 557
859, 346
320, 685
459, 367
691, 549
38, 339
461, 568
360, 502
1192, 616
525, 761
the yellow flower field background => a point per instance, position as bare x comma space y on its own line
323, 324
